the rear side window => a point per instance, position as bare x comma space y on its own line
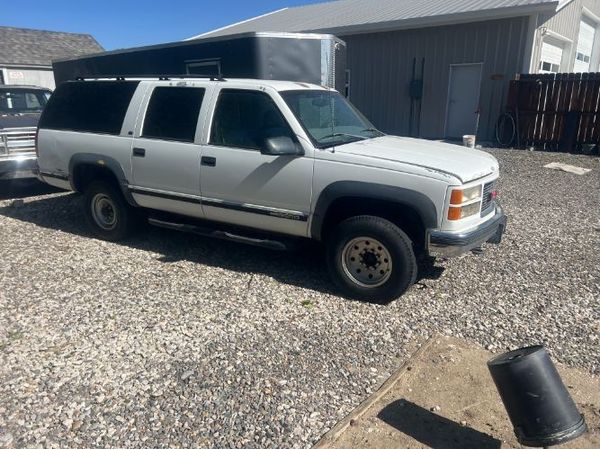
245, 118
89, 106
173, 113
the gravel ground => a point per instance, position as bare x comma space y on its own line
172, 340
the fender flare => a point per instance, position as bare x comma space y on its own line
420, 202
105, 162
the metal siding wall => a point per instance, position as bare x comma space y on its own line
381, 66
566, 21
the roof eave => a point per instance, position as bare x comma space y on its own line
17, 65
441, 20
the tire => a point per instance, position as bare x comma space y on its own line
107, 213
371, 259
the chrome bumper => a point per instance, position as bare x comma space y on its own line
452, 244
22, 166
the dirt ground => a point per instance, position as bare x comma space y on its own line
445, 398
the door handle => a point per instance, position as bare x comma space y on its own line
139, 152
208, 161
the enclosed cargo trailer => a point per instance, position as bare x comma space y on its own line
310, 58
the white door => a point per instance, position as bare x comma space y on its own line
551, 58
463, 100
240, 185
585, 45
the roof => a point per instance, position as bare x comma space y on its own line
355, 16
26, 47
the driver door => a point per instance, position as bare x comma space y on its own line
239, 184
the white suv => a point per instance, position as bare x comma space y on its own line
266, 162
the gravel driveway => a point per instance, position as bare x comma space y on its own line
172, 339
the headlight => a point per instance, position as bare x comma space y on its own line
458, 213
460, 196
464, 203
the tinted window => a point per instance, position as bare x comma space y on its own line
244, 119
89, 106
173, 113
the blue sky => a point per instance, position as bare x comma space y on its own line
121, 24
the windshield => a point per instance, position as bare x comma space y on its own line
19, 101
328, 118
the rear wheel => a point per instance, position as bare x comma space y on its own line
107, 213
371, 259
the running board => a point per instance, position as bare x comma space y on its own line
223, 235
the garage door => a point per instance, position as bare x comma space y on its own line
585, 44
551, 58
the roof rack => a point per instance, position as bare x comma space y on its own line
160, 77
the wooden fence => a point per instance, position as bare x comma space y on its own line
557, 112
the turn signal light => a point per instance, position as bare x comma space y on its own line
458, 213
454, 213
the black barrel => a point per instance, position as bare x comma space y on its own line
538, 404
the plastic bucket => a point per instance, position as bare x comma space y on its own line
469, 140
538, 404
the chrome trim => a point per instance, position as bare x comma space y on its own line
17, 141
452, 244
221, 204
13, 166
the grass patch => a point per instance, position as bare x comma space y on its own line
307, 304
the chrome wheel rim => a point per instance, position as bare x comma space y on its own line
367, 262
104, 211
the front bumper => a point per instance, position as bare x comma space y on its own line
12, 167
452, 244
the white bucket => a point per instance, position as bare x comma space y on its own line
469, 140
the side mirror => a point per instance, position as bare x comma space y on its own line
281, 146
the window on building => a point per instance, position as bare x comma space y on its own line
585, 46
245, 118
551, 57
172, 113
206, 68
89, 106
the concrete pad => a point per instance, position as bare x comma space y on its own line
444, 397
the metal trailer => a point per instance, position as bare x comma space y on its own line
310, 58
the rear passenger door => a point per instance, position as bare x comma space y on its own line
244, 187
165, 155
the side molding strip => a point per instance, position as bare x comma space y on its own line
168, 196
55, 176
210, 202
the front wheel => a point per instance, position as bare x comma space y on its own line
371, 259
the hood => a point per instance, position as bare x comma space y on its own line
18, 120
464, 163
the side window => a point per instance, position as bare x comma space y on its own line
89, 106
246, 118
172, 113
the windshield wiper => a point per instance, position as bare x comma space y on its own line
372, 130
354, 136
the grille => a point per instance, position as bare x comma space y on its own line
15, 141
486, 202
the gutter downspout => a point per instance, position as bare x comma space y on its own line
532, 46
